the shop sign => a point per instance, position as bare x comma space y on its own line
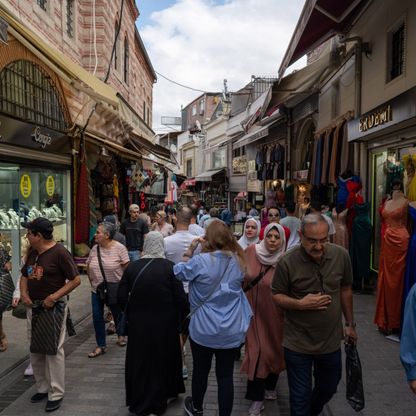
50, 185
254, 185
25, 185
43, 139
300, 175
239, 165
376, 118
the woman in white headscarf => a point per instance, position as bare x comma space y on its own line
251, 233
263, 360
154, 358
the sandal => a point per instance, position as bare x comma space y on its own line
121, 342
97, 352
3, 343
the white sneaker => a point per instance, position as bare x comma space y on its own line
29, 371
270, 395
255, 409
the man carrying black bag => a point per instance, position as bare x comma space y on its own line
48, 275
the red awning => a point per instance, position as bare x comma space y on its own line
319, 21
241, 195
187, 183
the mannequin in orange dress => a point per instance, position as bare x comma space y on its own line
392, 265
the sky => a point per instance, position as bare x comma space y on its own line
199, 43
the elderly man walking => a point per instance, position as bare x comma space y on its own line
312, 283
48, 275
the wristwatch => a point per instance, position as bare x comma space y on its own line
351, 324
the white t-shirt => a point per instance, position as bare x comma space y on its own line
332, 230
293, 224
175, 245
196, 230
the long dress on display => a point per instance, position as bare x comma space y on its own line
340, 223
360, 247
391, 269
410, 274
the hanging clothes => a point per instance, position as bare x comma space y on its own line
82, 225
345, 150
333, 159
392, 266
360, 248
341, 232
319, 162
270, 199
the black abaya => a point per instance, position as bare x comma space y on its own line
154, 358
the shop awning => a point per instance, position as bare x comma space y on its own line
68, 70
256, 133
207, 176
241, 196
146, 146
319, 21
189, 182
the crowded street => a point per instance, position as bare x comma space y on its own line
207, 207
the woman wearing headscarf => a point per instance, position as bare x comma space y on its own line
220, 313
251, 233
114, 259
263, 360
153, 371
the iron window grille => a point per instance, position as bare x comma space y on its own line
126, 61
42, 4
28, 93
70, 18
397, 52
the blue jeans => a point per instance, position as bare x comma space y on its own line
134, 255
327, 370
98, 318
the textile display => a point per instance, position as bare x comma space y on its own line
82, 203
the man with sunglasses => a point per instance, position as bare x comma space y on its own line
312, 283
48, 275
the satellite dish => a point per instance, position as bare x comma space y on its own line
173, 148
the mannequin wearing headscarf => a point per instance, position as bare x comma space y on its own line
246, 240
154, 358
263, 359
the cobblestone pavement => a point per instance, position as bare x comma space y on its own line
96, 386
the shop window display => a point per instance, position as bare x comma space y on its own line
27, 193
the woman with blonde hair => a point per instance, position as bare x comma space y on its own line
220, 313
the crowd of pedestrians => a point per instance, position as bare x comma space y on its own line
279, 293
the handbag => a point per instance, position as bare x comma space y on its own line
257, 279
107, 291
20, 311
6, 289
354, 376
122, 322
46, 328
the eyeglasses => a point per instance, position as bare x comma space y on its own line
314, 241
273, 215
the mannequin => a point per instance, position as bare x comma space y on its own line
339, 218
410, 166
392, 265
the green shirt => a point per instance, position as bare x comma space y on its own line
296, 275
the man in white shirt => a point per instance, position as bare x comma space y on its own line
175, 245
293, 223
194, 228
316, 209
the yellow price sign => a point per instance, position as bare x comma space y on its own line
50, 185
25, 185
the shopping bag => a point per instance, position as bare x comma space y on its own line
355, 389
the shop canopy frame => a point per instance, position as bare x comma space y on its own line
208, 176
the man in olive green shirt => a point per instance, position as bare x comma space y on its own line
312, 283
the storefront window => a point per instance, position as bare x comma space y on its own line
219, 159
27, 193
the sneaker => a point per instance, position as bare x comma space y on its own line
29, 371
255, 409
38, 397
270, 395
184, 372
190, 409
52, 405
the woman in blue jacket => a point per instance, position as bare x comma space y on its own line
220, 313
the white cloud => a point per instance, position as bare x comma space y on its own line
201, 42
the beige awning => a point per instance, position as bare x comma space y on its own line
70, 71
207, 176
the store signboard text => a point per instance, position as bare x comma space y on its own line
377, 118
43, 139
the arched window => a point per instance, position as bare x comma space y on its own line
28, 93
126, 60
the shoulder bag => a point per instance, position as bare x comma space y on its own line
6, 289
107, 291
257, 279
122, 323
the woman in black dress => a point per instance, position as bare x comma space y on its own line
154, 359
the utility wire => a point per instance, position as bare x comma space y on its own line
181, 85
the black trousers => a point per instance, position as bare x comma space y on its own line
256, 387
224, 367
